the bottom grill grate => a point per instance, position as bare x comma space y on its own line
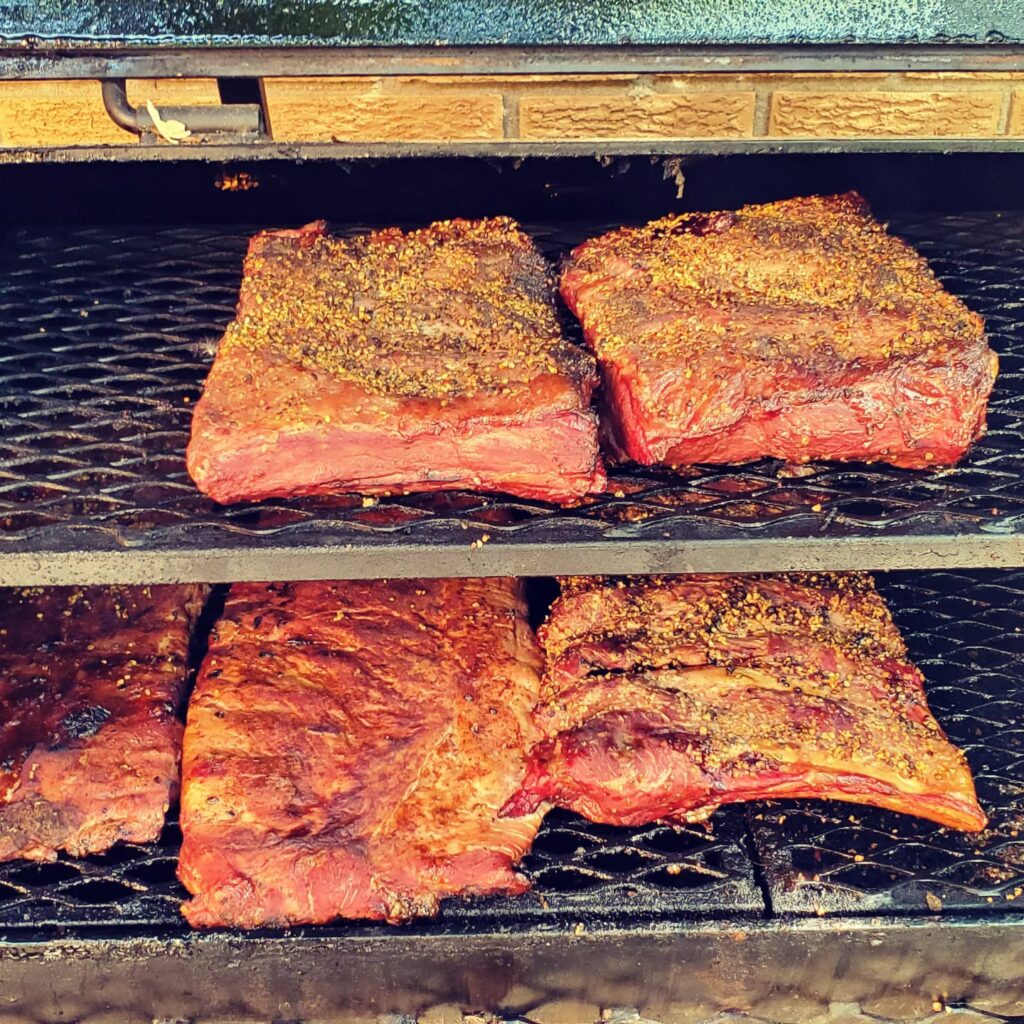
965, 630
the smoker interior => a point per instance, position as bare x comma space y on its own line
116, 288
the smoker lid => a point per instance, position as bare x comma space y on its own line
281, 23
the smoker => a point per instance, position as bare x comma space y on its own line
141, 146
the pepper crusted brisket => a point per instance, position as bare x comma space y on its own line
396, 362
91, 681
348, 748
667, 697
797, 329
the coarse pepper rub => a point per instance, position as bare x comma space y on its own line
393, 362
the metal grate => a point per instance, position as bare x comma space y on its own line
967, 635
966, 631
576, 868
131, 885
579, 868
105, 337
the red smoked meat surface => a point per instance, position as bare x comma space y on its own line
91, 682
797, 329
349, 746
395, 362
667, 697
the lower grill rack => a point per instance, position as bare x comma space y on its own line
966, 633
774, 910
965, 630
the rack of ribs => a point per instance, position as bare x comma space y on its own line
797, 329
349, 746
91, 683
667, 697
394, 362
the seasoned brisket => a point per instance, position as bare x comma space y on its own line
667, 697
796, 329
91, 681
349, 746
395, 362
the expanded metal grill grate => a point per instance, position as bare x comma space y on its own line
105, 338
967, 635
576, 868
966, 631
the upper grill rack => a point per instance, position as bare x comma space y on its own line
966, 631
105, 338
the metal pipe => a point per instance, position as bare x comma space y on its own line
228, 118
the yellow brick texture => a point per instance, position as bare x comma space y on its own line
56, 114
173, 92
874, 114
550, 108
623, 116
1016, 124
322, 110
71, 113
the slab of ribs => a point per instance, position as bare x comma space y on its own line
796, 329
349, 746
395, 362
91, 683
667, 697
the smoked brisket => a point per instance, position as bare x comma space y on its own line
91, 682
667, 697
394, 362
797, 329
349, 746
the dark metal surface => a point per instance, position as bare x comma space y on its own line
105, 337
64, 59
577, 868
215, 150
682, 972
232, 119
474, 22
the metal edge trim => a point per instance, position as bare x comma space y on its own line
219, 152
41, 59
402, 561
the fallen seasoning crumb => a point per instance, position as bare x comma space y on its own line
579, 929
816, 507
369, 502
933, 901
